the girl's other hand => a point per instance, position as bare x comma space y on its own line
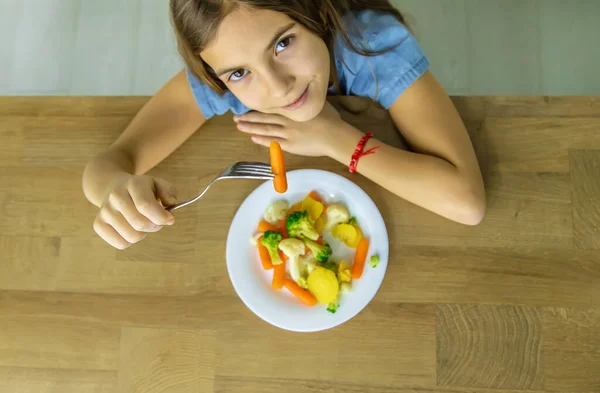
315, 137
132, 208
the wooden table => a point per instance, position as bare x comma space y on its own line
511, 304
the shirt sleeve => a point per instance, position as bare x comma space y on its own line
384, 77
212, 103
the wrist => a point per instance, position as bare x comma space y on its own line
344, 143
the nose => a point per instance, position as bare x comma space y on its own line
278, 82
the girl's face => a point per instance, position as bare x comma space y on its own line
271, 63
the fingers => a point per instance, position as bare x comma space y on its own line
271, 130
146, 203
123, 203
166, 192
266, 141
110, 235
259, 117
118, 222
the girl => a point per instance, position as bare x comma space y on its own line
272, 63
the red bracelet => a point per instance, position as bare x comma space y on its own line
358, 153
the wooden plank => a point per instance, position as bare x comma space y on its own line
571, 356
523, 210
161, 360
44, 201
58, 343
30, 380
538, 144
71, 106
402, 352
206, 310
489, 346
28, 263
88, 264
480, 107
307, 385
523, 276
12, 145
585, 183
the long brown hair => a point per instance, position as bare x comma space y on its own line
196, 21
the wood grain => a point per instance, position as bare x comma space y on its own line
28, 262
160, 360
57, 343
36, 380
489, 346
538, 144
571, 355
349, 347
517, 276
585, 165
510, 305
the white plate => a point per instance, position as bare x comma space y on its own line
281, 308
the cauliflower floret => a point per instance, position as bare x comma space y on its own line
335, 214
276, 212
254, 238
293, 248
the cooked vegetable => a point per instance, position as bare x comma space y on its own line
265, 258
374, 261
278, 276
330, 265
336, 214
332, 307
345, 288
293, 248
348, 234
321, 252
324, 285
255, 239
298, 226
353, 221
276, 212
359, 258
278, 168
302, 283
264, 226
314, 195
313, 208
343, 273
320, 224
271, 241
305, 296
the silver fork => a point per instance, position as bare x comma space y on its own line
239, 170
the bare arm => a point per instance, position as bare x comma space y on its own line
162, 125
442, 173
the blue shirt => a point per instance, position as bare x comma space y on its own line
395, 70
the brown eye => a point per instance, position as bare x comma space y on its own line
283, 44
237, 75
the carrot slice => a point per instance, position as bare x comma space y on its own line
301, 293
264, 226
315, 196
278, 168
265, 258
283, 228
278, 276
359, 258
320, 240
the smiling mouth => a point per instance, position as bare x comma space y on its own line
299, 102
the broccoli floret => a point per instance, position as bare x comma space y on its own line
271, 242
298, 226
352, 221
321, 252
374, 261
332, 307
